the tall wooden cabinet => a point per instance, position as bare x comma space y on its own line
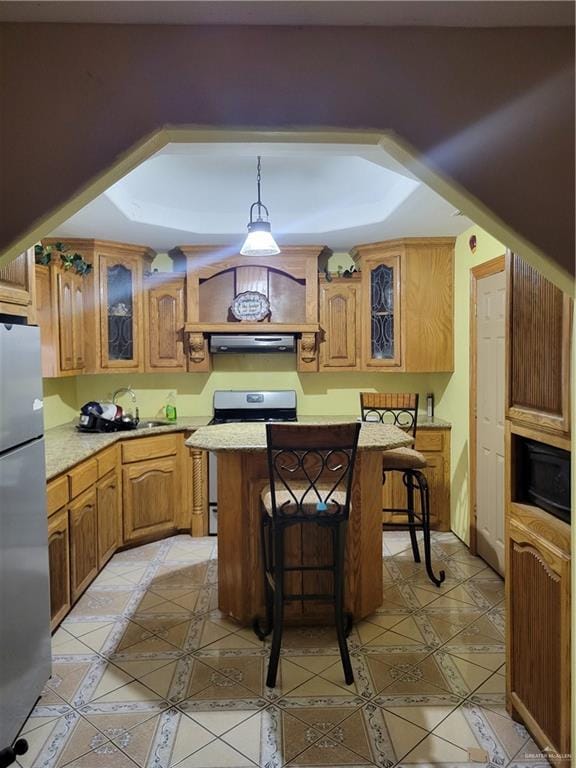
83, 541
538, 554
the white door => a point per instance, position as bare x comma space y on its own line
490, 329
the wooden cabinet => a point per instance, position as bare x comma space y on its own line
151, 493
151, 486
340, 304
538, 364
60, 299
17, 286
435, 445
407, 304
59, 564
83, 541
538, 637
165, 316
70, 298
101, 315
109, 516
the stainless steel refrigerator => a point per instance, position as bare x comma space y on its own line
24, 579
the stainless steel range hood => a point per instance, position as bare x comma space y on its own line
245, 342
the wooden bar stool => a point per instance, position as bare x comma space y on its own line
401, 409
310, 470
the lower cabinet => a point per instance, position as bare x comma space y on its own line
538, 637
83, 541
136, 490
59, 563
151, 495
435, 445
109, 517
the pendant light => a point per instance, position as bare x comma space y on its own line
259, 241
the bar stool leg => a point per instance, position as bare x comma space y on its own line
266, 550
425, 506
278, 620
408, 479
339, 541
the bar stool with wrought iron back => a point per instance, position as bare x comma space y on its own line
401, 409
310, 471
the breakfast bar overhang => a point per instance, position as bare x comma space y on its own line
242, 474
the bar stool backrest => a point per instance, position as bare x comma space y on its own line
310, 470
398, 408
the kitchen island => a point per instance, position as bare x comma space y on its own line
242, 474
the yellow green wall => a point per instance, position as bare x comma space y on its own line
60, 401
455, 399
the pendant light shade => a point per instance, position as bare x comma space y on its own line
259, 241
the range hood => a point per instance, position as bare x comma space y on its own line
256, 342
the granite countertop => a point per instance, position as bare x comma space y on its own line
65, 446
252, 436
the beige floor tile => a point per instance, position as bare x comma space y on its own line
80, 628
133, 692
271, 737
328, 751
100, 602
217, 754
319, 687
425, 711
48, 708
434, 751
471, 726
163, 740
490, 661
140, 667
462, 677
315, 663
366, 631
387, 619
152, 647
60, 742
219, 721
392, 638
236, 641
72, 676
71, 647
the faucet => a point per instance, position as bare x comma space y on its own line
126, 391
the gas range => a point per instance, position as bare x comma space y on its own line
237, 406
240, 406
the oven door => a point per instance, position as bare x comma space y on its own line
212, 494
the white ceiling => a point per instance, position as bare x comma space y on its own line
334, 195
437, 13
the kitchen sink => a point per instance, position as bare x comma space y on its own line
150, 423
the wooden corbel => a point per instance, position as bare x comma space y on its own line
307, 352
198, 357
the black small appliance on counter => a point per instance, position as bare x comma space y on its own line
105, 417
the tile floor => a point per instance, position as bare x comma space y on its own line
148, 673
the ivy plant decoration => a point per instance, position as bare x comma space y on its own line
75, 261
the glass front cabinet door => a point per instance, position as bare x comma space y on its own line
382, 331
121, 312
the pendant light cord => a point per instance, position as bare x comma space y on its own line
258, 180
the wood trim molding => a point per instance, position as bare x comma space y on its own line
486, 269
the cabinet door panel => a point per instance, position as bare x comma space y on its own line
120, 312
109, 517
16, 279
165, 325
382, 320
540, 318
78, 322
83, 542
339, 306
150, 492
66, 320
59, 563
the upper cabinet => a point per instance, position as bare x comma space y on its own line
165, 315
17, 287
407, 304
539, 321
340, 303
118, 307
